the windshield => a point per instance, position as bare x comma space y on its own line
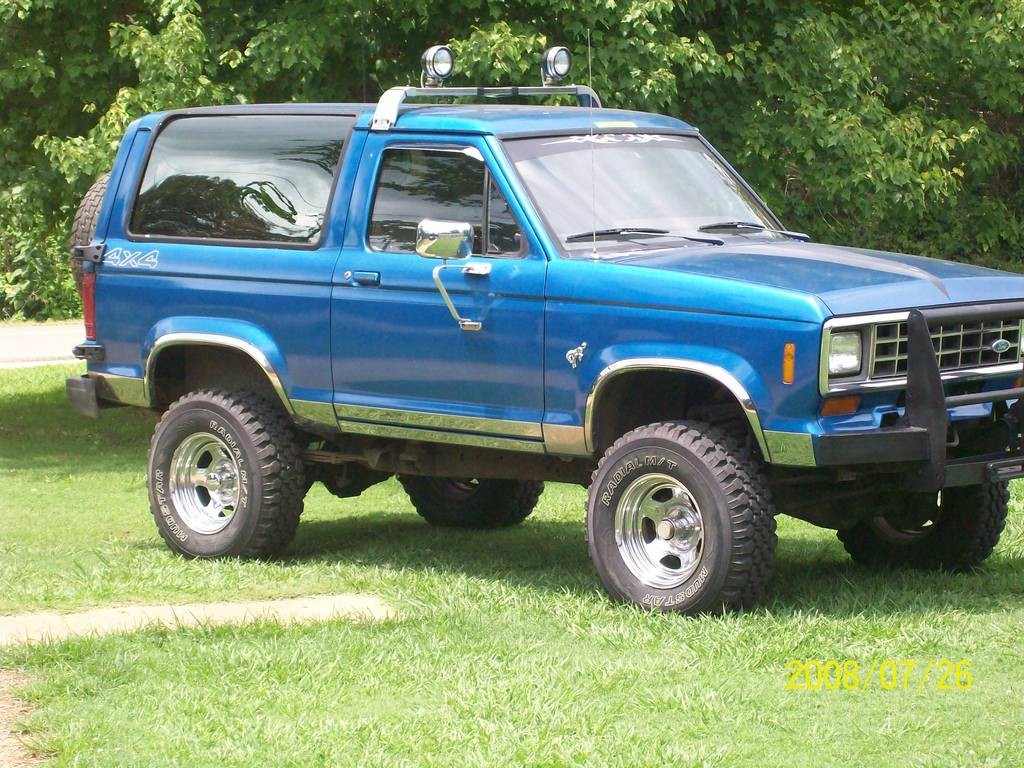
632, 192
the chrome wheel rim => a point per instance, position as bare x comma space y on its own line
204, 483
659, 531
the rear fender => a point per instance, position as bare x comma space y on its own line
243, 337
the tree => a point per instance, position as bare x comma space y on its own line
882, 123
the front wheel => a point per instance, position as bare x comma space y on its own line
680, 519
955, 530
225, 477
471, 503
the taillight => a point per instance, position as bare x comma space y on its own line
89, 304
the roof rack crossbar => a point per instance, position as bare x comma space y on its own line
386, 114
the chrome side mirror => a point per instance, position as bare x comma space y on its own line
436, 239
450, 240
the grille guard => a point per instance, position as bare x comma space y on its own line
927, 405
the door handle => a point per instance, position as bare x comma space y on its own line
362, 278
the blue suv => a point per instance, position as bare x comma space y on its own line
477, 299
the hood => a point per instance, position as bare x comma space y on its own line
847, 280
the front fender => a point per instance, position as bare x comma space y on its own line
725, 367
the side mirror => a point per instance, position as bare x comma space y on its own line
437, 239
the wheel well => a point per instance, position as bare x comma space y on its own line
187, 367
633, 399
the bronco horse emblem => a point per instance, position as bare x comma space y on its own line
574, 355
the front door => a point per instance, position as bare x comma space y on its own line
402, 364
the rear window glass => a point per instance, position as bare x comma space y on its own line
241, 177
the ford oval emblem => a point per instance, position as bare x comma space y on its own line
999, 346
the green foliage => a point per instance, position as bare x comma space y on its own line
882, 123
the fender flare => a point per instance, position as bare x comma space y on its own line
708, 370
190, 338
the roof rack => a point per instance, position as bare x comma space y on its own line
386, 113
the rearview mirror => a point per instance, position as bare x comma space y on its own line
436, 239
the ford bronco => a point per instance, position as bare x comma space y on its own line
477, 299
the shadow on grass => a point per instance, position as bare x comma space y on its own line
811, 576
39, 429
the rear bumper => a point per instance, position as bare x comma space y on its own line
919, 444
83, 396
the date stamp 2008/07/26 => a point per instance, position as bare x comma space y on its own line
881, 674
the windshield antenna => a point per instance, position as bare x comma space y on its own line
593, 177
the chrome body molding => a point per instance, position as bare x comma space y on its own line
561, 440
791, 449
214, 340
863, 384
713, 372
442, 421
321, 414
440, 436
130, 390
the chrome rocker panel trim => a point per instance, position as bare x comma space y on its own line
442, 421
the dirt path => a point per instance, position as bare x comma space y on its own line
34, 627
13, 753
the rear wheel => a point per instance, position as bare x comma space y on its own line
472, 503
954, 530
84, 227
225, 478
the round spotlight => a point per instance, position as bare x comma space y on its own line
555, 65
438, 63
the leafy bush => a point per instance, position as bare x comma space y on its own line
888, 124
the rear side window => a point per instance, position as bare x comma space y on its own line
263, 178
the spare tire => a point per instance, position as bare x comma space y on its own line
84, 227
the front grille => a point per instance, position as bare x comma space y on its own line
957, 346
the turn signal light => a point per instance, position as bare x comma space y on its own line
789, 363
841, 406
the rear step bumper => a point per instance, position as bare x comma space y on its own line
83, 397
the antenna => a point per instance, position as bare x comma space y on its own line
593, 177
362, 36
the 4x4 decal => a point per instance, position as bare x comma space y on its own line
122, 257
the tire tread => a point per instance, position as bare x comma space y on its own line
281, 471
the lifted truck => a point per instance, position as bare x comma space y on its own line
480, 298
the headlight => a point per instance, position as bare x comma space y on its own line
844, 354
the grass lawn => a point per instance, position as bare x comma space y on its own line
505, 651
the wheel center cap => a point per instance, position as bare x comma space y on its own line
682, 528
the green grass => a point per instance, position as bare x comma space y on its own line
505, 653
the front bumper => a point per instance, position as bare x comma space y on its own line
919, 442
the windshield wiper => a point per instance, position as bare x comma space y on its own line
753, 225
620, 231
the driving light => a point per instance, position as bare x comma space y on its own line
438, 63
555, 64
844, 354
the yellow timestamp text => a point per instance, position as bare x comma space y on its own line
881, 674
